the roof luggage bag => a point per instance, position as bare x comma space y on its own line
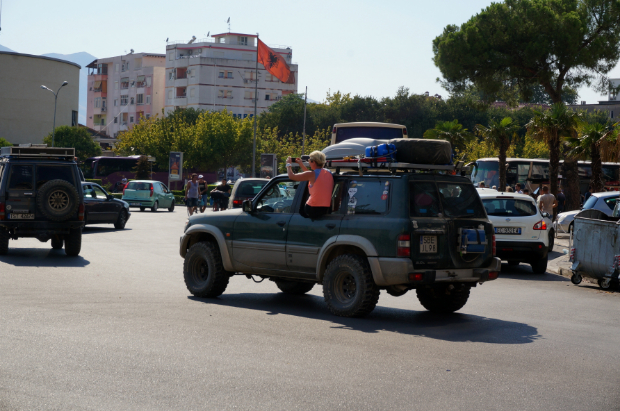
422, 151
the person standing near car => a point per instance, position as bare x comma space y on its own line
191, 194
202, 191
546, 201
561, 201
320, 183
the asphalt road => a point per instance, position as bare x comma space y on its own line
116, 329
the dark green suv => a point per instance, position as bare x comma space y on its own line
41, 197
398, 231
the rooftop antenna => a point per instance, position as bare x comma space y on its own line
228, 24
167, 40
208, 34
130, 51
192, 40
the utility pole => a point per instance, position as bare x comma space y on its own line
303, 142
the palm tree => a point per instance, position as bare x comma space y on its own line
588, 144
501, 135
552, 126
451, 131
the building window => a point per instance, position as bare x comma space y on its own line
612, 114
169, 93
97, 102
148, 81
170, 57
74, 118
137, 64
132, 101
115, 120
171, 75
140, 99
124, 100
229, 74
125, 66
249, 95
116, 85
221, 74
148, 116
148, 99
192, 92
115, 102
243, 40
131, 119
117, 65
124, 83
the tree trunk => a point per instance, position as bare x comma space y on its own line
571, 189
597, 169
503, 148
554, 164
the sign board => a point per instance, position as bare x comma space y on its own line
268, 165
175, 170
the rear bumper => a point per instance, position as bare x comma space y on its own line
395, 271
39, 229
139, 203
521, 250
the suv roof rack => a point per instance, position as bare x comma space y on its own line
392, 167
38, 151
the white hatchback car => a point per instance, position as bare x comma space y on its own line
522, 232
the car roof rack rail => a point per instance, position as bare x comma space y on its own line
361, 165
38, 151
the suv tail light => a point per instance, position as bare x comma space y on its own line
151, 191
81, 212
494, 247
541, 225
1, 211
404, 131
404, 245
334, 130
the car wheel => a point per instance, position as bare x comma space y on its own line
294, 287
551, 240
203, 270
443, 299
142, 208
513, 263
171, 208
57, 242
73, 242
348, 286
4, 241
122, 220
539, 266
58, 200
155, 206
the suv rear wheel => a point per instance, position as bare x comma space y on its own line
58, 200
4, 241
73, 242
348, 287
294, 287
203, 270
442, 299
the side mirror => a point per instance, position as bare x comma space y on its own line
247, 206
110, 197
546, 215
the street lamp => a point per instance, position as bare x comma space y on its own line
64, 83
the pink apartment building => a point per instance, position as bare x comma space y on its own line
123, 89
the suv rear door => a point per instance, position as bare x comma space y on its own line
21, 194
306, 237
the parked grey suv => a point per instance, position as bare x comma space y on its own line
41, 196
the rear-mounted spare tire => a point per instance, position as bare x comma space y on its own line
58, 200
422, 151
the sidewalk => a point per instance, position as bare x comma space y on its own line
558, 261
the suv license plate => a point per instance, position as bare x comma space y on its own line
428, 244
134, 204
21, 216
508, 230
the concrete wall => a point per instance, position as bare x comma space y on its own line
26, 110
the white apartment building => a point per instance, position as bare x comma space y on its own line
123, 89
220, 72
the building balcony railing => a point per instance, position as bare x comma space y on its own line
181, 95
141, 84
181, 76
224, 96
225, 78
104, 109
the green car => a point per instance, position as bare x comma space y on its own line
148, 194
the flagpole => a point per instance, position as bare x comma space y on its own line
303, 144
255, 108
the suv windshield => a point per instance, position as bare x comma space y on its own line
509, 207
456, 200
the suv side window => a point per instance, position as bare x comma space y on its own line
274, 201
48, 173
21, 177
368, 196
611, 202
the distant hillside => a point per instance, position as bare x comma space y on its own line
81, 58
2, 48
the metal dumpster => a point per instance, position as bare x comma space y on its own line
595, 250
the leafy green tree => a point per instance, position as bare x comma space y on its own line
552, 126
76, 137
143, 168
450, 131
500, 134
4, 143
551, 43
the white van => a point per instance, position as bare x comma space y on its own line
371, 130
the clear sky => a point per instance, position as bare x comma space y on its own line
365, 47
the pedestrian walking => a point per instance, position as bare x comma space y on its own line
518, 188
561, 201
191, 194
220, 195
202, 192
546, 201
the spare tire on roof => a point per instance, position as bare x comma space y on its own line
422, 151
58, 200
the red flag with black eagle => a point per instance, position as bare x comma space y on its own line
275, 64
